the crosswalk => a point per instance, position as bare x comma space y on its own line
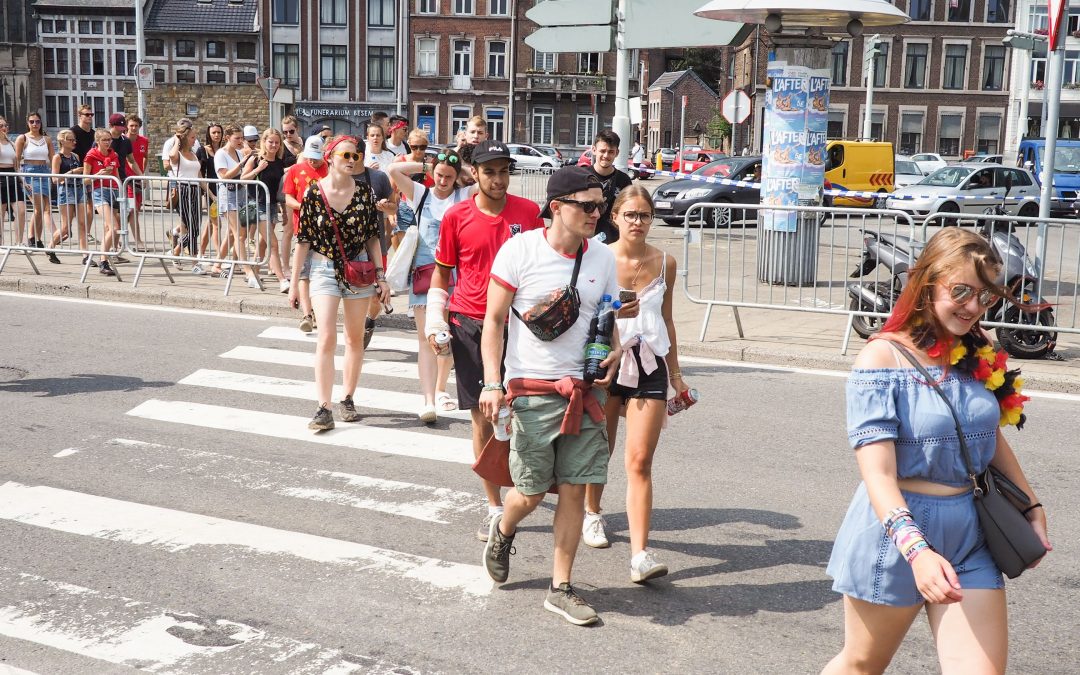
243, 393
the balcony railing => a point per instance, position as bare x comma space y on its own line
567, 84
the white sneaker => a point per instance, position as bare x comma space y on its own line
411, 314
428, 415
644, 566
592, 531
284, 285
252, 282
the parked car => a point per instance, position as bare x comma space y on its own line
968, 188
640, 175
552, 152
986, 159
689, 161
585, 158
863, 166
673, 198
664, 158
929, 162
906, 172
528, 157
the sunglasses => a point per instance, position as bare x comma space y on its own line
35, 122
638, 217
961, 294
349, 155
288, 132
587, 207
86, 114
418, 147
447, 157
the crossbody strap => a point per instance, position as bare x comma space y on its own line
333, 223
419, 211
573, 277
956, 418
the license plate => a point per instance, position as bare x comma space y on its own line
663, 205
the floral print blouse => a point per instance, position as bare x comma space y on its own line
358, 223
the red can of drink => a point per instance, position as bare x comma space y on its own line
682, 401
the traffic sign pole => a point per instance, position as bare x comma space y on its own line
620, 124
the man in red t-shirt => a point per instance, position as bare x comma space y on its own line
470, 235
140, 148
309, 168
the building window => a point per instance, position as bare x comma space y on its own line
881, 66
159, 75
955, 67
543, 126
949, 131
915, 68
380, 13
586, 129
919, 10
463, 6
155, 47
125, 62
993, 67
997, 11
497, 8
589, 62
47, 26
91, 62
959, 11
287, 11
185, 75
989, 129
185, 48
215, 76
544, 61
427, 62
462, 57
911, 130
459, 117
380, 67
56, 61
287, 64
333, 69
333, 12
84, 27
427, 7
124, 27
97, 27
57, 112
245, 51
836, 124
877, 125
215, 49
496, 66
245, 77
839, 63
496, 123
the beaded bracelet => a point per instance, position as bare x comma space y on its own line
900, 526
492, 386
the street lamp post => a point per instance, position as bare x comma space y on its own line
869, 61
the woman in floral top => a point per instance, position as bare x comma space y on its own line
330, 200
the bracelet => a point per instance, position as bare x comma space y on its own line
492, 386
1036, 505
674, 374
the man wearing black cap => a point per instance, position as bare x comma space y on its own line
559, 432
470, 235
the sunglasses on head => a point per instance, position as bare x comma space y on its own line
961, 294
586, 206
447, 157
349, 155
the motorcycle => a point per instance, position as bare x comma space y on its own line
897, 253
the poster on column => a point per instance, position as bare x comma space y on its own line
784, 153
817, 130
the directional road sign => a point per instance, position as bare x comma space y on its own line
736, 106
571, 12
655, 24
572, 38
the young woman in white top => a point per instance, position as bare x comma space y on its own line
33, 154
650, 362
12, 191
229, 163
376, 155
185, 164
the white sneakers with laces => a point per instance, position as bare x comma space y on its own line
593, 532
644, 566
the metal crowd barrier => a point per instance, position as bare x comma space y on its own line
175, 226
73, 228
534, 183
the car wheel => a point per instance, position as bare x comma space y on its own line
1028, 210
722, 217
949, 207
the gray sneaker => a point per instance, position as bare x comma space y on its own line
323, 420
497, 551
565, 602
485, 527
348, 410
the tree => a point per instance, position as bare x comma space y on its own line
707, 62
718, 130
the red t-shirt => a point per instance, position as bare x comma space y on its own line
95, 161
297, 179
140, 146
469, 240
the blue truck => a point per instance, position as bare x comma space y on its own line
1066, 170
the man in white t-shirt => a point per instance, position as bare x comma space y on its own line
558, 426
395, 139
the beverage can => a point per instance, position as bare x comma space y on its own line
683, 401
503, 426
442, 341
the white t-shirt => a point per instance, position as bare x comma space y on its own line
225, 158
170, 143
383, 159
397, 150
529, 266
434, 209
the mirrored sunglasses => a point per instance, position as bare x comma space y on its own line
961, 294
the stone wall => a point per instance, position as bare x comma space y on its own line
225, 104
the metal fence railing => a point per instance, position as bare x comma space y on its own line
533, 183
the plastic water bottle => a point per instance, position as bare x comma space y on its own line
503, 427
598, 346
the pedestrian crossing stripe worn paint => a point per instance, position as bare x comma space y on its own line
379, 343
175, 531
282, 357
126, 632
294, 428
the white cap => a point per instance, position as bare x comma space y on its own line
313, 147
251, 133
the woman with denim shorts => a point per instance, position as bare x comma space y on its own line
267, 166
33, 154
70, 193
229, 163
12, 195
336, 200
103, 161
911, 538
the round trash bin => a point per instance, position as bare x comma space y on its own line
789, 258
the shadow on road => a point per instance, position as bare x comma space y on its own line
80, 383
669, 520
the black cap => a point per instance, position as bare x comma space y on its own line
485, 151
567, 181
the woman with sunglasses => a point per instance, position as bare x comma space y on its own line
429, 205
33, 154
267, 166
214, 140
650, 363
337, 200
376, 154
12, 194
911, 539
418, 144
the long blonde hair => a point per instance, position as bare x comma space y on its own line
270, 131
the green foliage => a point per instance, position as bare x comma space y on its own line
717, 130
707, 63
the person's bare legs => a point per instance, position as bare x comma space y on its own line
326, 310
872, 634
569, 515
444, 364
644, 420
355, 311
67, 214
972, 635
286, 241
427, 361
517, 507
594, 492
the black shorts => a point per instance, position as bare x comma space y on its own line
653, 385
468, 363
11, 189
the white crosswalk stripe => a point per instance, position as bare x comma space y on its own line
282, 357
378, 342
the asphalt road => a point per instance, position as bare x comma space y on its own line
197, 527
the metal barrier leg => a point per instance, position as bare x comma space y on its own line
85, 269
738, 322
228, 282
30, 259
705, 322
847, 335
3, 261
164, 267
117, 275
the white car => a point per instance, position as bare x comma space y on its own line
968, 188
528, 157
929, 162
906, 172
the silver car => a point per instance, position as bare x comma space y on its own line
968, 188
906, 172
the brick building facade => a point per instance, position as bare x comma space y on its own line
20, 63
665, 110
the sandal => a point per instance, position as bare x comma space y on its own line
444, 403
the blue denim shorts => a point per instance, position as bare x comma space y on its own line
70, 192
227, 199
866, 565
323, 282
38, 186
107, 197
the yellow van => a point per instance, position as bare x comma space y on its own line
865, 166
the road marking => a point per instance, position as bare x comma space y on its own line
12, 670
67, 452
289, 427
129, 305
379, 399
174, 531
127, 632
378, 342
282, 357
411, 500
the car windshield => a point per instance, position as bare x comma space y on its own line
720, 168
950, 176
1066, 159
907, 167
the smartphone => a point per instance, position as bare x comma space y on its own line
627, 296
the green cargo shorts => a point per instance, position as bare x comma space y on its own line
541, 456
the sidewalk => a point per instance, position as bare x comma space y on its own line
794, 339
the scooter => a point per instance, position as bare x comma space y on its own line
898, 253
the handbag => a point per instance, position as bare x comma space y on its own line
553, 316
400, 266
1013, 544
358, 273
248, 214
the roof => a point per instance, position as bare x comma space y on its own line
104, 6
673, 77
200, 16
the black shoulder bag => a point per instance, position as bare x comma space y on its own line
1013, 544
555, 314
